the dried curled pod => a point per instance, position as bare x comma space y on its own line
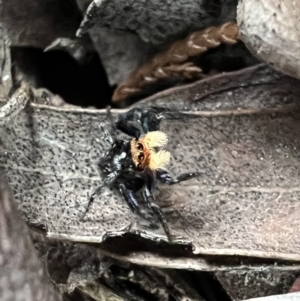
173, 61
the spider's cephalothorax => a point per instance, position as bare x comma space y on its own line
135, 164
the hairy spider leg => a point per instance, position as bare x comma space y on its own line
149, 199
109, 116
113, 171
151, 120
106, 134
148, 187
164, 177
107, 182
140, 121
131, 129
132, 202
129, 123
129, 198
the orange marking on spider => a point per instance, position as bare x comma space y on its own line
144, 151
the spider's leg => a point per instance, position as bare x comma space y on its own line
166, 178
109, 117
188, 175
130, 128
108, 127
108, 181
107, 135
129, 198
140, 121
91, 200
149, 199
151, 119
133, 202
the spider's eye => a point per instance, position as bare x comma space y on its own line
139, 146
139, 165
141, 157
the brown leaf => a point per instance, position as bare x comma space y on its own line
244, 204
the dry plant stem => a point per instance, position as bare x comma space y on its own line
15, 104
173, 61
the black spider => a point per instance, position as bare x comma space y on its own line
126, 165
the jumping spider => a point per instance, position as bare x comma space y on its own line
135, 164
